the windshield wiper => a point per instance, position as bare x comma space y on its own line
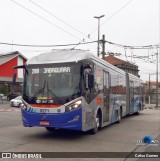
39, 91
52, 93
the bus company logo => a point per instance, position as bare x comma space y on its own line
20, 155
147, 140
6, 155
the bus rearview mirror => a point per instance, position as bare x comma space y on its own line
14, 78
89, 81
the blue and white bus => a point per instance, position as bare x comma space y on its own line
74, 89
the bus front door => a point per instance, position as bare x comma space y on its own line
106, 91
131, 97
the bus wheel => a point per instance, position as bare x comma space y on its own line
139, 109
97, 124
120, 116
50, 129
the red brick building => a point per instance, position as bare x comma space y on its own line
124, 65
7, 62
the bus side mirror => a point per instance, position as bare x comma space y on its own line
14, 78
15, 74
89, 79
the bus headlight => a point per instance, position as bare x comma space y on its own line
73, 106
23, 106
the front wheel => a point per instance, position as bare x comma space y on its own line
139, 109
120, 116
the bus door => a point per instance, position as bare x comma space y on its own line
128, 106
106, 99
131, 97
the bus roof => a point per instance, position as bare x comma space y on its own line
60, 56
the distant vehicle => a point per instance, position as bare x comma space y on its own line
13, 95
16, 102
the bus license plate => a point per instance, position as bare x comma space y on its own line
44, 123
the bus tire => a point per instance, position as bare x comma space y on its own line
50, 129
120, 115
139, 109
97, 124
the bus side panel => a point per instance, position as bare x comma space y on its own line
116, 102
113, 109
136, 103
135, 95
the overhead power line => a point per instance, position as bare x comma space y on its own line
45, 20
26, 45
134, 47
57, 17
117, 11
112, 15
88, 35
82, 40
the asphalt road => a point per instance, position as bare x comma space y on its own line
114, 138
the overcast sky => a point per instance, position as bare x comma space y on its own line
126, 22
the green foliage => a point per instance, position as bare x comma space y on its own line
4, 90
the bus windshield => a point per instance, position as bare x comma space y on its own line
52, 83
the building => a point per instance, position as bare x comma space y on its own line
124, 65
7, 62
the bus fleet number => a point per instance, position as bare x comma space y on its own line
44, 110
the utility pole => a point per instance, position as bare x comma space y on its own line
98, 32
103, 46
149, 96
157, 80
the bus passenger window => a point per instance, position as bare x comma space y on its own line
98, 79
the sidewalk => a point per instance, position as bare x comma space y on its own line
151, 106
4, 102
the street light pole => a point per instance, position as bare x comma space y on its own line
98, 32
157, 83
149, 97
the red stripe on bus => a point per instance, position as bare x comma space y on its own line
45, 106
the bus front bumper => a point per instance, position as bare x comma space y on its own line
69, 120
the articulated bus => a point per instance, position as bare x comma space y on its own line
76, 90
